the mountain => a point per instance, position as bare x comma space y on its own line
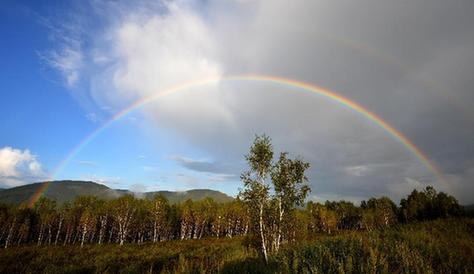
63, 191
193, 194
469, 210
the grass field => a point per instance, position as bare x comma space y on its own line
442, 246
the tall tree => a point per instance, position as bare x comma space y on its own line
159, 208
142, 221
46, 210
290, 185
124, 209
103, 215
384, 211
187, 220
10, 220
256, 189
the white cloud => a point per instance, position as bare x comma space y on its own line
163, 50
67, 57
18, 167
359, 49
68, 62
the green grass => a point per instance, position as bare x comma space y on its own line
442, 246
191, 256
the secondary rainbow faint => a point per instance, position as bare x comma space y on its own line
291, 83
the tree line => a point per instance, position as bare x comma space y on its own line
269, 211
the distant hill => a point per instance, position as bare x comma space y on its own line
469, 210
193, 194
63, 191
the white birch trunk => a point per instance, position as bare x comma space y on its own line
262, 235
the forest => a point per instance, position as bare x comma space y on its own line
269, 228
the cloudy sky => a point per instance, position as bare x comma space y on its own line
68, 68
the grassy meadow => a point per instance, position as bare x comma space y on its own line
440, 246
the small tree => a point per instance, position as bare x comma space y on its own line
384, 211
289, 186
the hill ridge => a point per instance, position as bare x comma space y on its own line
66, 190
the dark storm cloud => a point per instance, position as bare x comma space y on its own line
202, 165
411, 62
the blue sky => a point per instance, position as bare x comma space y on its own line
69, 66
33, 104
39, 114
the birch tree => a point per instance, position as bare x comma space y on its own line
290, 185
103, 215
11, 223
158, 207
46, 210
256, 189
187, 220
87, 207
124, 211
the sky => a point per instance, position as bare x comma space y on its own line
70, 69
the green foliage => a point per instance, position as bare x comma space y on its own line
441, 246
90, 234
195, 256
428, 205
272, 216
289, 181
261, 156
89, 220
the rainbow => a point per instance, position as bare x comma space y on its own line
295, 84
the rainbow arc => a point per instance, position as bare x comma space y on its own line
295, 85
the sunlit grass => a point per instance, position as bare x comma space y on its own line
442, 246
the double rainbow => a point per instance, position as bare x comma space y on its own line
294, 84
